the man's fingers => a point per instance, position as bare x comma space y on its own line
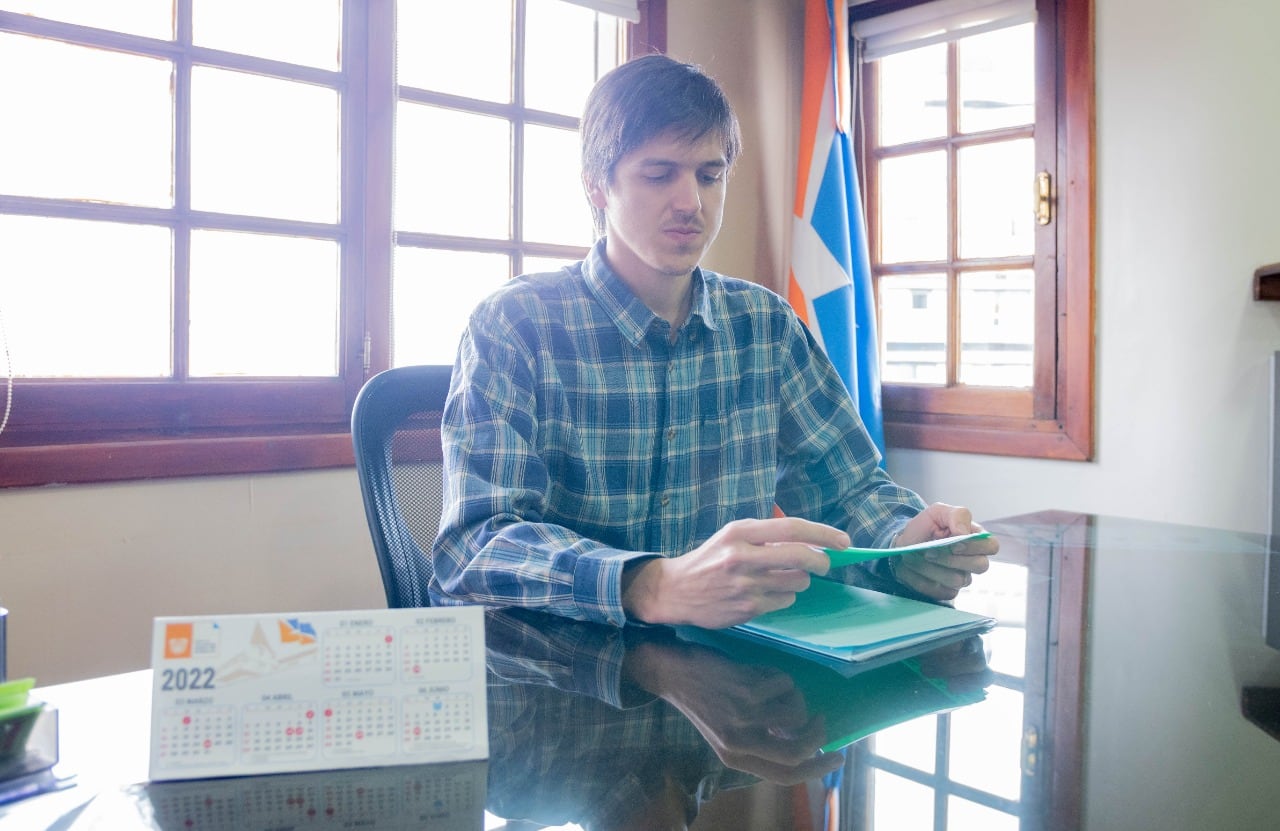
974, 563
951, 578
787, 529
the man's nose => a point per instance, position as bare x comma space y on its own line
686, 196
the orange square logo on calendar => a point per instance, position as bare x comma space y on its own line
177, 640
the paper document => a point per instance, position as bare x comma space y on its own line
849, 556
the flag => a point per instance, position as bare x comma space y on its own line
829, 284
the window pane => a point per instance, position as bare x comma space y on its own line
85, 299
963, 815
986, 741
995, 202
900, 804
105, 123
433, 294
913, 95
263, 146
263, 305
911, 743
913, 326
913, 208
536, 265
453, 172
149, 18
555, 207
997, 79
560, 55
307, 32
997, 315
459, 48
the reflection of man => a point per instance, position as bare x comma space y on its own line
619, 432
605, 727
571, 741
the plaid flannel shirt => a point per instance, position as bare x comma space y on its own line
579, 435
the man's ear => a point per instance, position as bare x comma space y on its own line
595, 194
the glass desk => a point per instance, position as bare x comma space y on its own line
1109, 696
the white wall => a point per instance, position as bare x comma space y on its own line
84, 569
1188, 179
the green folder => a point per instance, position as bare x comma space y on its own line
850, 623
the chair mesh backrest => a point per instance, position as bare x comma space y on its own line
395, 430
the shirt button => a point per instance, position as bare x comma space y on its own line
671, 433
665, 500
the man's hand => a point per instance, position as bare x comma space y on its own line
747, 568
753, 717
942, 573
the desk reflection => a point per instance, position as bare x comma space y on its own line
592, 725
442, 797
618, 729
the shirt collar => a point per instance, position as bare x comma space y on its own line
629, 312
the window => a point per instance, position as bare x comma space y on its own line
215, 224
976, 149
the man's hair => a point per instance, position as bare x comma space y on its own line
645, 98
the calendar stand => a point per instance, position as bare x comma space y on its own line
236, 695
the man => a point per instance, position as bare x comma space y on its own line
619, 432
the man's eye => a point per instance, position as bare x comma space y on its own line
711, 178
656, 177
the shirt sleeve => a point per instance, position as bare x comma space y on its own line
829, 469
494, 546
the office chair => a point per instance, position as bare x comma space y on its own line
395, 431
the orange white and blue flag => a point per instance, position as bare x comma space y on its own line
830, 281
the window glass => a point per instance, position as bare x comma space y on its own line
263, 305
997, 315
453, 172
110, 285
263, 146
913, 208
901, 804
913, 328
555, 207
536, 265
307, 32
560, 56
997, 79
105, 123
459, 48
206, 212
964, 815
913, 99
985, 741
148, 18
911, 743
996, 212
435, 292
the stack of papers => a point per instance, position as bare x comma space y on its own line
853, 624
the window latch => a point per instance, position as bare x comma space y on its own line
1043, 192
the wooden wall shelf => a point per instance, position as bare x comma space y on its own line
1266, 282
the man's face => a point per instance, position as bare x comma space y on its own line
664, 206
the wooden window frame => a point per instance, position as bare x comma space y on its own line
1054, 420
80, 431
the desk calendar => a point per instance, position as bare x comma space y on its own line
237, 695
